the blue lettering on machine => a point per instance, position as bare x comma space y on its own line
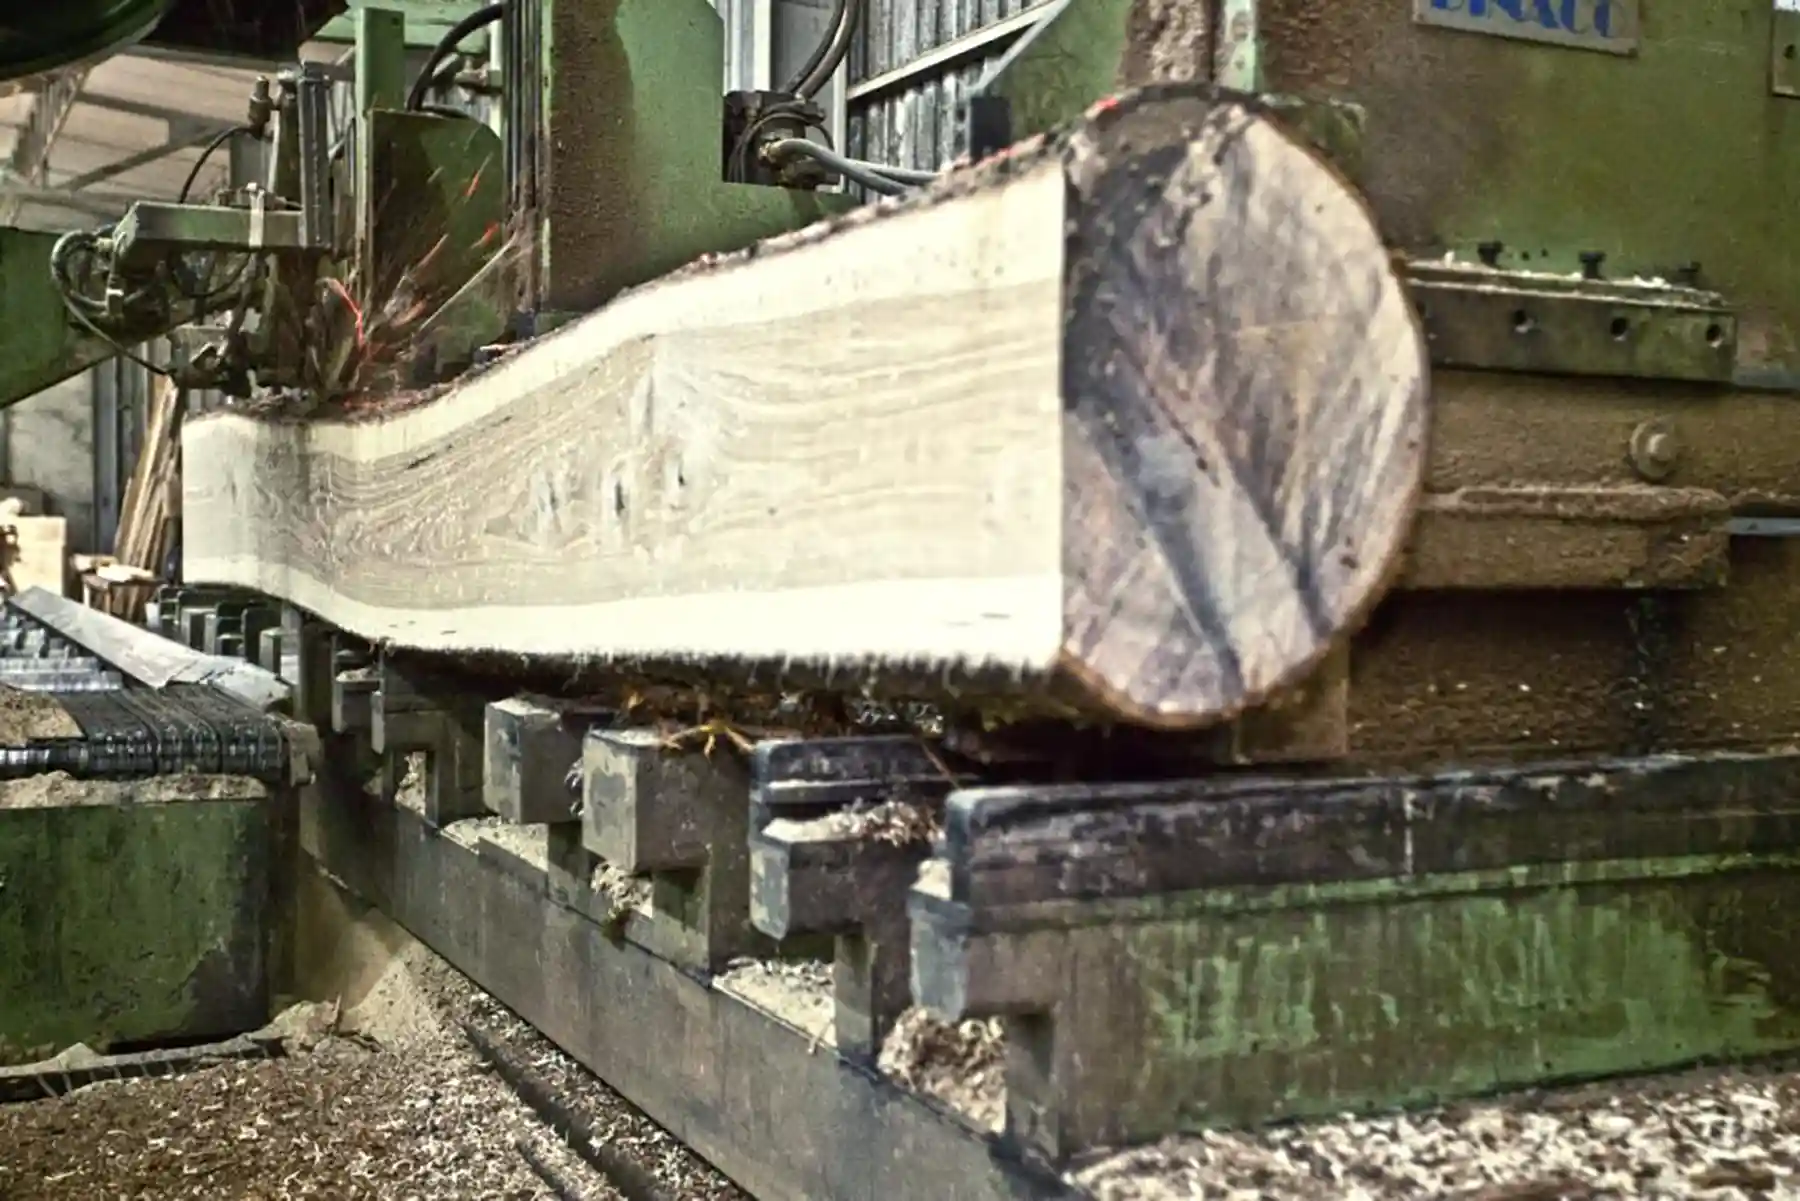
1610, 26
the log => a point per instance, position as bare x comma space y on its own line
1137, 412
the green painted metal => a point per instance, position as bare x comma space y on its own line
380, 84
438, 221
1312, 1001
1072, 63
1677, 155
43, 347
426, 22
380, 58
39, 37
133, 919
1245, 1006
634, 121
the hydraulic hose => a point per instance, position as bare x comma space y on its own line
829, 53
446, 46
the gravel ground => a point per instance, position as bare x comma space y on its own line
1719, 1134
390, 1100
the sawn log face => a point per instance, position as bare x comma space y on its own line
1244, 382
1142, 408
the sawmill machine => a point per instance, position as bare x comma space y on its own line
386, 254
1513, 803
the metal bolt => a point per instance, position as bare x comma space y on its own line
1490, 252
1655, 450
1591, 261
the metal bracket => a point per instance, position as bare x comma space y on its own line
1479, 317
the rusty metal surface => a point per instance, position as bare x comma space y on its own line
1540, 537
1499, 429
1465, 677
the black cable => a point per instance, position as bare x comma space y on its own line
446, 47
444, 110
206, 152
831, 51
838, 14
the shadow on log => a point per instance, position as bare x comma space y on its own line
1137, 412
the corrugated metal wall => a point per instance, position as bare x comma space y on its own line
910, 67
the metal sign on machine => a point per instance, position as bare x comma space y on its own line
1607, 25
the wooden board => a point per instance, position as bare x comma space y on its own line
149, 659
1142, 408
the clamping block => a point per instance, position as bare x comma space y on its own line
355, 679
1234, 951
353, 692
531, 749
270, 645
822, 863
677, 817
313, 646
257, 620
218, 622
410, 714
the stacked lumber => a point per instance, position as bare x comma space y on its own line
1134, 416
149, 513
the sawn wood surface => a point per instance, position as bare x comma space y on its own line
1140, 408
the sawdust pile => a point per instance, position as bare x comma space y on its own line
385, 1099
797, 991
963, 1066
53, 790
622, 894
28, 715
342, 1121
1718, 1134
897, 823
410, 788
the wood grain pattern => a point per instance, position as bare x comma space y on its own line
1142, 408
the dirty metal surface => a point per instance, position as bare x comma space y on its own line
1015, 847
1670, 158
1250, 951
782, 1118
1628, 536
1530, 321
1506, 429
1461, 677
136, 912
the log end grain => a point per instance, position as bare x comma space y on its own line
1244, 389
